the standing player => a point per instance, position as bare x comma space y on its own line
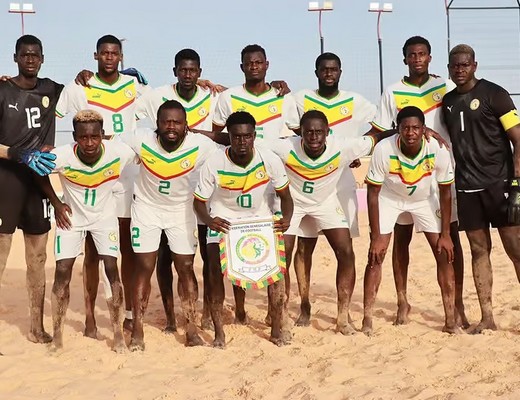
27, 105
89, 169
483, 123
235, 181
348, 113
399, 180
199, 104
170, 157
424, 91
113, 95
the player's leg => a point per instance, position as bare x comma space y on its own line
510, 236
6, 240
128, 266
60, 298
240, 311
403, 232
341, 243
206, 322
188, 292
458, 266
446, 280
276, 298
165, 281
90, 285
302, 268
216, 292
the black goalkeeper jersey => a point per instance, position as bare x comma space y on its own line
27, 117
477, 122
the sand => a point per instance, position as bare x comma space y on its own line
416, 361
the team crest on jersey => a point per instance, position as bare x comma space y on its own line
129, 94
427, 166
273, 109
260, 174
45, 101
436, 96
475, 103
202, 111
329, 167
112, 236
185, 164
344, 110
108, 172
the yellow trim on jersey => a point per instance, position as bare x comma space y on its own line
262, 111
510, 119
245, 181
411, 174
165, 168
427, 101
199, 197
312, 172
198, 112
336, 113
372, 182
114, 99
92, 179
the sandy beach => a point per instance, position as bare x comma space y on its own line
416, 361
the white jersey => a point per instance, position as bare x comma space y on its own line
166, 180
238, 192
409, 179
269, 110
313, 181
199, 109
115, 102
348, 113
427, 97
88, 190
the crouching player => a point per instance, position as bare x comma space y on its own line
237, 180
88, 170
399, 180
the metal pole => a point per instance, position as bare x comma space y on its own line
380, 45
448, 25
322, 40
23, 29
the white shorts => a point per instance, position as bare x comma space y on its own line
124, 190
424, 214
328, 215
406, 218
179, 225
69, 244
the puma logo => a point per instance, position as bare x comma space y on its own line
15, 106
449, 108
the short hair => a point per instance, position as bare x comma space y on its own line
463, 49
187, 54
409, 112
87, 117
108, 39
313, 114
327, 56
252, 48
240, 118
416, 40
170, 105
27, 40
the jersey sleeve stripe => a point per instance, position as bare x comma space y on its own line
199, 197
449, 182
58, 114
280, 188
378, 127
372, 182
510, 120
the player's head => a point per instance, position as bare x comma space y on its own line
314, 130
462, 64
417, 55
171, 123
328, 70
241, 127
108, 54
28, 54
88, 133
254, 63
410, 125
187, 68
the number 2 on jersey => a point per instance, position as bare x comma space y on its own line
117, 123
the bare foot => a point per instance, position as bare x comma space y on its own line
482, 326
57, 344
367, 326
90, 332
460, 319
454, 330
119, 346
267, 319
303, 320
39, 337
193, 339
128, 325
403, 312
169, 330
219, 343
280, 341
136, 345
207, 324
346, 330
241, 319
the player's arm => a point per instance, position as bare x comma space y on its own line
217, 136
444, 242
214, 88
287, 206
282, 87
41, 162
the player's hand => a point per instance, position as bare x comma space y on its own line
214, 88
434, 76
430, 133
46, 148
513, 202
136, 74
83, 77
62, 212
355, 164
282, 87
4, 78
281, 224
218, 224
376, 251
444, 243
40, 162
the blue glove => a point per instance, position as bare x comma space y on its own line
513, 202
40, 162
136, 74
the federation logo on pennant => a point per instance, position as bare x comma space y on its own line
252, 249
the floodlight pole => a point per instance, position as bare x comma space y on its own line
122, 53
315, 6
380, 10
17, 8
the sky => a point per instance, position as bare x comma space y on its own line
219, 29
